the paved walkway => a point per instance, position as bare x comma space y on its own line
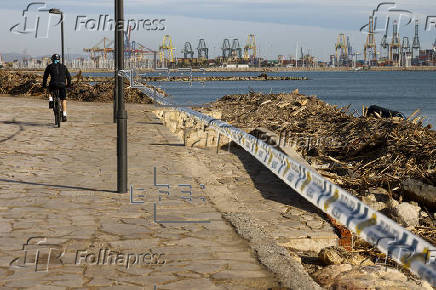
61, 224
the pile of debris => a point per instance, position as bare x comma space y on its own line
16, 83
28, 84
103, 92
386, 161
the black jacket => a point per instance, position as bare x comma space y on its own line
59, 76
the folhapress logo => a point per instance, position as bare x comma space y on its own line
36, 20
38, 253
109, 257
384, 13
106, 23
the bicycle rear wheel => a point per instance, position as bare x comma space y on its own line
57, 110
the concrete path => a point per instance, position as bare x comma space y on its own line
61, 224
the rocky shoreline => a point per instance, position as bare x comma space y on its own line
261, 77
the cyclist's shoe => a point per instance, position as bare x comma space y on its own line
50, 104
64, 118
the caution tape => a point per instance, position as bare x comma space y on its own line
390, 238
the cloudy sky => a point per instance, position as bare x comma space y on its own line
277, 24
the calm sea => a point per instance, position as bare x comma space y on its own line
399, 91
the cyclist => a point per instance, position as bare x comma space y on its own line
60, 78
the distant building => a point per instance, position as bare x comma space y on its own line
229, 66
427, 57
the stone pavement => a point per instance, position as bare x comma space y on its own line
62, 226
283, 228
292, 222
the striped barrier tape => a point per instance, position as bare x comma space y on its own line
390, 238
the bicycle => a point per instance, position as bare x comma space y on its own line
57, 107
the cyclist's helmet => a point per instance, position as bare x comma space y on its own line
55, 57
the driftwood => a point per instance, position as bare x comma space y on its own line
28, 84
381, 152
358, 153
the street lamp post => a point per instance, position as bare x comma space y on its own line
59, 12
121, 112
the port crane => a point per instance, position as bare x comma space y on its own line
167, 50
405, 51
226, 48
236, 50
395, 46
97, 50
133, 50
349, 47
384, 42
139, 51
370, 48
250, 46
187, 51
342, 47
202, 50
416, 43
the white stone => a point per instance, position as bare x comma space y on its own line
408, 213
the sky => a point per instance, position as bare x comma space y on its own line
279, 25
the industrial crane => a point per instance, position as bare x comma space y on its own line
405, 46
132, 49
141, 50
202, 50
127, 43
416, 43
226, 48
395, 46
384, 42
405, 51
187, 51
236, 51
250, 46
166, 50
107, 47
349, 47
370, 48
341, 45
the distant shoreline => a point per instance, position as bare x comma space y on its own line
274, 69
